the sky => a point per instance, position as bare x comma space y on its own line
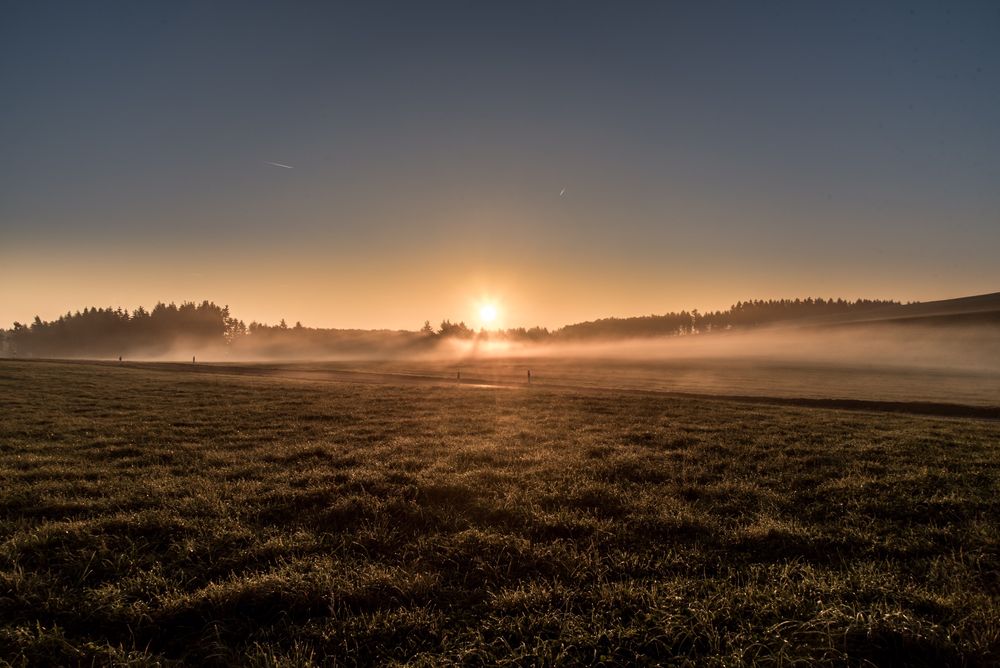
564, 160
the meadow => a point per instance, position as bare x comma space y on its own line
154, 516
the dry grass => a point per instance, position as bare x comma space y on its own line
152, 517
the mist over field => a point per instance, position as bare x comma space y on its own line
956, 347
901, 362
958, 333
946, 352
962, 347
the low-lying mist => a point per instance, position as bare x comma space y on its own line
872, 362
937, 355
974, 348
968, 348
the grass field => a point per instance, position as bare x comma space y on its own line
156, 516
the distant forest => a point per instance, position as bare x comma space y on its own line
209, 328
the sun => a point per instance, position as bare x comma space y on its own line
488, 313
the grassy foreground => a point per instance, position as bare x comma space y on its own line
158, 517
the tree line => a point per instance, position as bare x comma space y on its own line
109, 332
112, 332
742, 315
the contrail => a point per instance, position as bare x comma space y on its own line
278, 164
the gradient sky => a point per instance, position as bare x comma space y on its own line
709, 152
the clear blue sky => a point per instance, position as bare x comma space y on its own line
709, 152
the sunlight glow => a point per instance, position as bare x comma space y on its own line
488, 313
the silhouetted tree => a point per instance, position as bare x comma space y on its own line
460, 330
